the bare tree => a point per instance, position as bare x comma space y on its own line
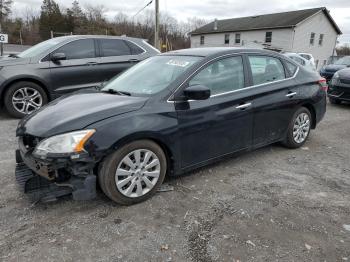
96, 18
343, 50
5, 10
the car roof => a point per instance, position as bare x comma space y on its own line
70, 37
290, 53
210, 51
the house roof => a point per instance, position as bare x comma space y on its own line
260, 22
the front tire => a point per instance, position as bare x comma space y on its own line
298, 129
134, 172
23, 98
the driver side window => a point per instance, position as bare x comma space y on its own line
79, 49
222, 76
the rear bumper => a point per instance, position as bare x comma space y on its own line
320, 109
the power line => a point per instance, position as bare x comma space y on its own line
150, 2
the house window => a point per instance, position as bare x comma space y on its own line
320, 40
237, 38
227, 38
202, 40
312, 39
268, 37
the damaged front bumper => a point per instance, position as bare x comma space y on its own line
48, 179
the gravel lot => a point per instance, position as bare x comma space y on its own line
272, 204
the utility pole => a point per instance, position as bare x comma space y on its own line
156, 31
1, 44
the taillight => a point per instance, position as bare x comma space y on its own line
323, 84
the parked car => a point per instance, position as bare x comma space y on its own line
64, 64
339, 88
309, 57
301, 60
328, 71
165, 116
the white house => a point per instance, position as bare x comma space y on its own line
307, 31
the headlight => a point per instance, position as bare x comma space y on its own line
335, 79
63, 144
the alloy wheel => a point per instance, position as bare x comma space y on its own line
301, 128
26, 100
137, 173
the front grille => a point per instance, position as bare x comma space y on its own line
30, 141
28, 181
346, 96
345, 81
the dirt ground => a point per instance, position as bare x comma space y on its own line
273, 204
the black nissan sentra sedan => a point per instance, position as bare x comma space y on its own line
165, 116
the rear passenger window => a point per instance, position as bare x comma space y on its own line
298, 60
78, 49
114, 47
291, 68
221, 76
135, 50
266, 69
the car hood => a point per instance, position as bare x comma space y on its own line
344, 73
333, 68
76, 111
10, 61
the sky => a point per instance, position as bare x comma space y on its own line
211, 9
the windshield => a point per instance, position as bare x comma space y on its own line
151, 75
343, 61
40, 48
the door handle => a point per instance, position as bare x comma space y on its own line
91, 63
291, 94
133, 60
244, 106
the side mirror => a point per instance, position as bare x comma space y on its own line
58, 56
197, 92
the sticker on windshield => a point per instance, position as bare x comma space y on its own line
177, 63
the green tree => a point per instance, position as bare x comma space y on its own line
75, 19
51, 19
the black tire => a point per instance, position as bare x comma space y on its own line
109, 166
290, 142
10, 92
334, 101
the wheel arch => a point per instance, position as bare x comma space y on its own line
24, 79
156, 138
312, 110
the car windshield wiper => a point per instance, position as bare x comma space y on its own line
116, 92
13, 55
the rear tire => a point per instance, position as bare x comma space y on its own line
23, 98
334, 101
142, 182
298, 129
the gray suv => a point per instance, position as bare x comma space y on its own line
62, 65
